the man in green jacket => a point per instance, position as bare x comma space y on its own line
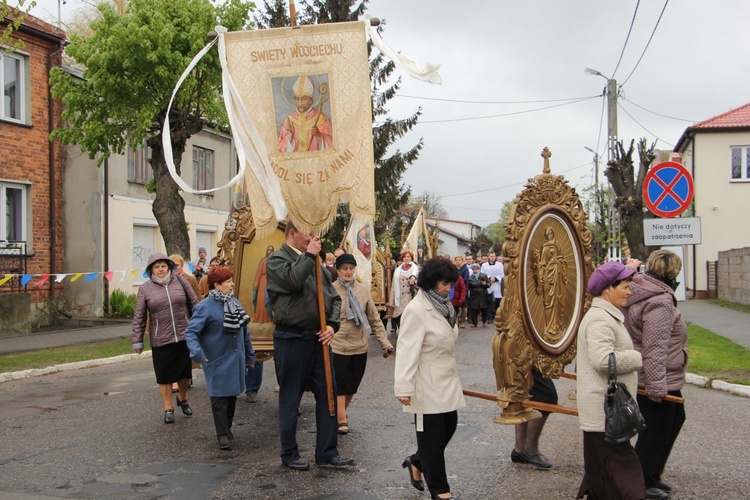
297, 344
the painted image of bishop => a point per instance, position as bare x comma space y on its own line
307, 128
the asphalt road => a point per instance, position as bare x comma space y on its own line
98, 433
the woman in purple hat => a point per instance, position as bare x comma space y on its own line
611, 470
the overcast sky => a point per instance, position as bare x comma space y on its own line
507, 60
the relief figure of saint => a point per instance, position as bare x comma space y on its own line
551, 278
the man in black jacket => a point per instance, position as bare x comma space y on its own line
297, 344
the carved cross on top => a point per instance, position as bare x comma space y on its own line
546, 153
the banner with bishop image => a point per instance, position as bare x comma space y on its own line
308, 92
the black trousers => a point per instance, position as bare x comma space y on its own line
663, 423
493, 306
299, 362
474, 316
430, 455
223, 411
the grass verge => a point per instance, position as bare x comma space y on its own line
730, 305
714, 356
68, 354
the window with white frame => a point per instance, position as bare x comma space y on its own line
139, 168
740, 166
203, 169
12, 71
12, 211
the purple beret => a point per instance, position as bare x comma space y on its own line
606, 274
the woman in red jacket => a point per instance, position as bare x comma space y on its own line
458, 298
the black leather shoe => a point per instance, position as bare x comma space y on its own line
224, 443
168, 416
299, 464
656, 493
185, 407
517, 458
536, 459
662, 486
408, 466
336, 462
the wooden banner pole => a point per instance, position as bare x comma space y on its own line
642, 392
536, 405
323, 326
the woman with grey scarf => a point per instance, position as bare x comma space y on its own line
426, 378
350, 344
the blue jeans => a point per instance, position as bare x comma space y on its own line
254, 378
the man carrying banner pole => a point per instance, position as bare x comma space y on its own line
295, 293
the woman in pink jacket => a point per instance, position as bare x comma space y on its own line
660, 334
167, 301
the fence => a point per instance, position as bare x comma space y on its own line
13, 260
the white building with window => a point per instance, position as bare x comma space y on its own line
717, 153
109, 219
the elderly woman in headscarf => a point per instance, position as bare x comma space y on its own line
350, 345
403, 287
219, 339
166, 300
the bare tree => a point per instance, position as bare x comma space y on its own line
628, 187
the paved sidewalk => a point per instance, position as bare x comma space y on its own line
734, 325
62, 338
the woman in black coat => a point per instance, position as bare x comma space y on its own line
477, 287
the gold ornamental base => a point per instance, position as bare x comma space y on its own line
515, 413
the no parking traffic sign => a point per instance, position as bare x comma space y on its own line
668, 189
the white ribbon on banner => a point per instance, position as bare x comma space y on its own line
426, 72
250, 147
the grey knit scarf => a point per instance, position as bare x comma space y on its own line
234, 314
354, 311
443, 304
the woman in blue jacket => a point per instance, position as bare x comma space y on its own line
219, 339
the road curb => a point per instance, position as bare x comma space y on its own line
719, 385
38, 372
690, 378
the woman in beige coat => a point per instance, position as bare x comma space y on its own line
611, 470
426, 377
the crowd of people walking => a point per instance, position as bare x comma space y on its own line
633, 318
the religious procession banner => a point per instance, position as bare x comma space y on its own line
418, 240
359, 241
309, 92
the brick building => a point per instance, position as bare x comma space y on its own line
31, 174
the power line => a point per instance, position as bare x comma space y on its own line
657, 114
644, 128
487, 102
666, 2
509, 185
507, 114
630, 30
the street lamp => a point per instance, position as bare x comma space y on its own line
611, 92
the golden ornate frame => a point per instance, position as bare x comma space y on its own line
547, 256
239, 249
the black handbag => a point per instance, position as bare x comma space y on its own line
622, 418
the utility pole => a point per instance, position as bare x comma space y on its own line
614, 219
